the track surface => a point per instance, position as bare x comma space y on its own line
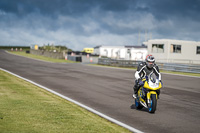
109, 91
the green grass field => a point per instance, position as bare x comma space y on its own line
41, 57
27, 108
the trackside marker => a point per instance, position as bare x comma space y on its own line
78, 103
91, 59
65, 57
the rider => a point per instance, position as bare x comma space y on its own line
145, 69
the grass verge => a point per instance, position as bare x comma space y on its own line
162, 71
28, 108
41, 57
181, 73
114, 66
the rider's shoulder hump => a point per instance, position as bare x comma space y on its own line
142, 64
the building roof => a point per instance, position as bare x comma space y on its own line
171, 40
143, 46
126, 46
98, 46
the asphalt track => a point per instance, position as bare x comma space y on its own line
109, 91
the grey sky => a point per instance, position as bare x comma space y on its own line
88, 23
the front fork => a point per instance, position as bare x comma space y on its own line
149, 96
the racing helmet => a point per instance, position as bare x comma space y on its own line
150, 60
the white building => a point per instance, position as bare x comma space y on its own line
108, 51
174, 51
122, 52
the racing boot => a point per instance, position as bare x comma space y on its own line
158, 92
135, 92
134, 95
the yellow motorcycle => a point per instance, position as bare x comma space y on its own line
148, 93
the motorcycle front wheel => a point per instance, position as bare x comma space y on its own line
153, 104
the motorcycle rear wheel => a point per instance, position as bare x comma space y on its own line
153, 104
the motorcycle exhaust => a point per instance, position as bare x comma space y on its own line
144, 104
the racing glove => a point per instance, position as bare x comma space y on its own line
140, 82
161, 82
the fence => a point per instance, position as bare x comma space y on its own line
179, 61
162, 66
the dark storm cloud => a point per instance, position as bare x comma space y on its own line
177, 8
82, 23
66, 7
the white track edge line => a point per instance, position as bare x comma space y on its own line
77, 103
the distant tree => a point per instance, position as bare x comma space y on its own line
58, 48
